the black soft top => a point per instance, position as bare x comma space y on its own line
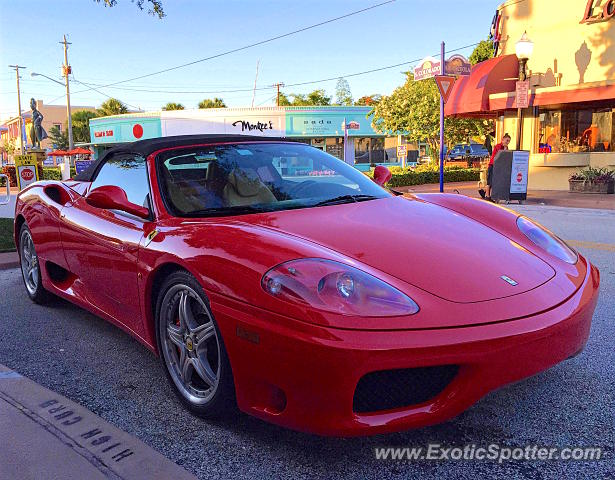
146, 147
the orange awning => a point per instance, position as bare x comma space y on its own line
470, 95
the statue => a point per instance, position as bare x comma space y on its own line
37, 132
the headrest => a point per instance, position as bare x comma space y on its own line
246, 184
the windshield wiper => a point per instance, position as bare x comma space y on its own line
346, 199
222, 211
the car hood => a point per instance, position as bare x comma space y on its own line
428, 246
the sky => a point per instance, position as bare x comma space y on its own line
114, 44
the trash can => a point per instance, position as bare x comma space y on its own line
510, 175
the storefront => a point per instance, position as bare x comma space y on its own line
569, 123
322, 127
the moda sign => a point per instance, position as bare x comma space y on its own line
598, 11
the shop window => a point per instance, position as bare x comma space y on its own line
372, 150
573, 131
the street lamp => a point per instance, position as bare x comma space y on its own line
523, 49
68, 113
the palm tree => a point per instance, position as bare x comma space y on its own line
209, 103
173, 106
113, 106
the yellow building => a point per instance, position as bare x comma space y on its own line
571, 71
53, 115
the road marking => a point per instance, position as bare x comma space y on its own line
4, 375
608, 247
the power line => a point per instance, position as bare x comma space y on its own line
252, 45
249, 89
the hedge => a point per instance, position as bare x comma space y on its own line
44, 173
422, 175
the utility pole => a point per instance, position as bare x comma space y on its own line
278, 85
255, 80
66, 70
21, 129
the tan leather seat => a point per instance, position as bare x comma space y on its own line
245, 188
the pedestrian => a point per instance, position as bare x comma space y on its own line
503, 145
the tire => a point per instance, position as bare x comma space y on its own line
31, 268
192, 349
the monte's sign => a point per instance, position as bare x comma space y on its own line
598, 11
247, 125
429, 67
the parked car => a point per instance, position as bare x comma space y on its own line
295, 297
463, 150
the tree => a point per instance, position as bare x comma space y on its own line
209, 103
283, 100
414, 110
173, 106
482, 52
81, 125
59, 139
113, 106
369, 100
343, 96
8, 147
155, 8
314, 98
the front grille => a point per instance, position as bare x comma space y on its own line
389, 389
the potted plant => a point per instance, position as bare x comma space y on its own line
592, 180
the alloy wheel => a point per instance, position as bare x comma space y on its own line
190, 344
29, 262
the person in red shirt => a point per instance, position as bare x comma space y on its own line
503, 145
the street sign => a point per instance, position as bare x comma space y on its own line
445, 85
523, 94
27, 171
402, 151
458, 65
428, 67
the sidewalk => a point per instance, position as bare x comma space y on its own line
46, 436
557, 198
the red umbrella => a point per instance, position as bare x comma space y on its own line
79, 151
57, 153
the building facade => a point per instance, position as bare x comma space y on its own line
321, 127
568, 124
53, 115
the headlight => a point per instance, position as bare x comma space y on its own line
547, 240
335, 287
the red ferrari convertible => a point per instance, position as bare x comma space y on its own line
272, 277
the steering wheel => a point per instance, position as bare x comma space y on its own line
301, 186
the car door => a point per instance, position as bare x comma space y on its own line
101, 246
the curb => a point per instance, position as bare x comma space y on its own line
44, 433
9, 260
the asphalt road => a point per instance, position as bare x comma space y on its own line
93, 363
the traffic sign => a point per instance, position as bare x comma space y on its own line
402, 151
445, 85
27, 171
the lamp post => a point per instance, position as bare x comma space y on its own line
523, 49
70, 120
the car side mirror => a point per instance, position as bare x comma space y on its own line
111, 197
382, 175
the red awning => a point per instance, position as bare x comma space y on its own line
470, 95
57, 153
79, 151
560, 96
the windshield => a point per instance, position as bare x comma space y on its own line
257, 177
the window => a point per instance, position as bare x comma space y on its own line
572, 131
127, 171
58, 126
259, 177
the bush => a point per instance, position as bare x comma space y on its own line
429, 174
44, 173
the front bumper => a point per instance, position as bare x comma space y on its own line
304, 377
